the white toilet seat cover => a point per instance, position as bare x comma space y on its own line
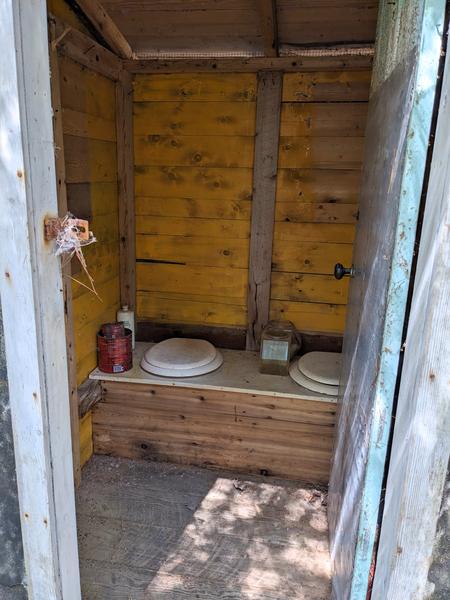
181, 357
310, 384
181, 353
323, 367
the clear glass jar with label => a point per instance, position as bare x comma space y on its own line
279, 343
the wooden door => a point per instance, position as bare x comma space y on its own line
403, 89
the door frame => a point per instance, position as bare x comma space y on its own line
31, 290
33, 309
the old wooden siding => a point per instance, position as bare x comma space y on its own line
62, 10
193, 144
320, 152
88, 115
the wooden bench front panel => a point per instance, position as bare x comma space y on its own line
279, 436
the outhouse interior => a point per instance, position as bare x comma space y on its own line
215, 148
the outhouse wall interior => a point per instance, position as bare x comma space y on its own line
194, 149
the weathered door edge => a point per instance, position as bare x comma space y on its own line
33, 308
421, 441
417, 136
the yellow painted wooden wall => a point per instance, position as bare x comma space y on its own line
88, 104
193, 144
320, 155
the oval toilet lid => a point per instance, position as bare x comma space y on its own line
181, 353
324, 367
190, 372
310, 384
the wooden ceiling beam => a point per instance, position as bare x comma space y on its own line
268, 10
249, 65
83, 49
105, 26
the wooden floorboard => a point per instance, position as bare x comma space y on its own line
156, 531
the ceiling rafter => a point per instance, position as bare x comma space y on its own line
268, 10
106, 27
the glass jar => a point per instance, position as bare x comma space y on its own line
278, 345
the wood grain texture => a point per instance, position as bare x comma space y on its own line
86, 439
106, 27
125, 181
269, 26
263, 203
194, 145
75, 43
192, 426
60, 172
161, 531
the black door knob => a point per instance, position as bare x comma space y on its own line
340, 271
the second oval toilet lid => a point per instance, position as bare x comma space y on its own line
310, 384
181, 357
323, 367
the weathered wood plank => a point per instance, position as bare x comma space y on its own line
307, 212
203, 251
81, 48
326, 86
89, 160
86, 439
160, 307
314, 232
60, 172
212, 281
310, 64
318, 185
206, 208
125, 180
194, 150
226, 87
263, 203
298, 287
219, 228
321, 153
309, 257
319, 119
194, 118
170, 182
269, 26
106, 27
85, 125
310, 316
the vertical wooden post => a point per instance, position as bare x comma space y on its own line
125, 172
60, 167
268, 108
31, 291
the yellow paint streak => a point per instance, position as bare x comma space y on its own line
86, 442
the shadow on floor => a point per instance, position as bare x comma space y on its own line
156, 531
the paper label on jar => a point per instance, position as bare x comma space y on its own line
275, 350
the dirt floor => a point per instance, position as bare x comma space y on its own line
156, 531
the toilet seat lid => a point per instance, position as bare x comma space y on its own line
323, 367
310, 384
181, 354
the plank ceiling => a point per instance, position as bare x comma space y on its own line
214, 28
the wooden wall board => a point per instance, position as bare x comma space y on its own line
194, 139
203, 251
194, 150
82, 124
321, 147
85, 91
90, 160
329, 119
327, 86
93, 199
318, 185
194, 118
230, 87
196, 426
60, 172
263, 203
125, 183
218, 182
86, 438
206, 208
298, 61
161, 307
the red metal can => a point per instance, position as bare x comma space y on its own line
115, 354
